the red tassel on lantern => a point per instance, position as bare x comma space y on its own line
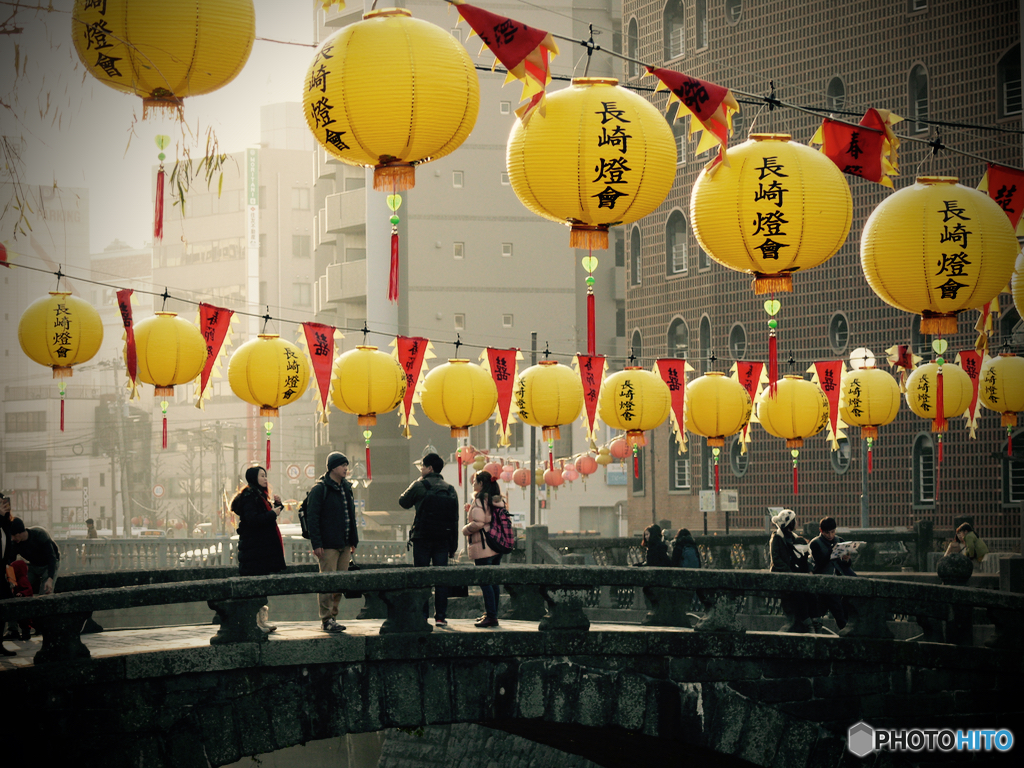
870, 467
940, 407
591, 346
636, 464
165, 431
158, 213
773, 364
268, 454
716, 476
551, 459
393, 279
796, 484
458, 454
369, 471
62, 414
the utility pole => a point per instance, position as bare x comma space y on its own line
533, 443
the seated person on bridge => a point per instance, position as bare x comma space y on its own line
789, 554
655, 548
822, 547
35, 546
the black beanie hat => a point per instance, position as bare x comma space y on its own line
336, 459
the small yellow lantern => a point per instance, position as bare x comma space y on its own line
1001, 388
937, 248
634, 400
59, 331
459, 395
778, 207
163, 52
715, 407
548, 395
870, 399
602, 155
604, 456
367, 382
390, 92
268, 372
170, 351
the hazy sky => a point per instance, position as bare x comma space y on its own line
80, 133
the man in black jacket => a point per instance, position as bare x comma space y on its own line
435, 537
821, 553
37, 547
331, 519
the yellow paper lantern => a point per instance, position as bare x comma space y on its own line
268, 372
169, 351
634, 400
163, 52
799, 409
548, 395
602, 155
59, 331
1001, 387
870, 399
922, 392
367, 382
604, 456
459, 395
1017, 284
715, 407
937, 248
778, 207
391, 92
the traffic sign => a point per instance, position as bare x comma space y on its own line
158, 491
310, 472
293, 471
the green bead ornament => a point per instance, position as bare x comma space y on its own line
773, 324
395, 219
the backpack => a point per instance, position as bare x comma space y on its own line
302, 512
438, 513
500, 537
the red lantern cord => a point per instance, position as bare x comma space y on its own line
716, 475
62, 406
796, 484
393, 280
1009, 440
773, 364
268, 453
940, 405
158, 213
591, 346
458, 454
369, 471
551, 459
165, 431
870, 441
636, 462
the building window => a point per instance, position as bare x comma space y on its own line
917, 5
457, 33
506, 250
301, 246
739, 460
737, 341
505, 107
459, 250
703, 258
835, 94
677, 250
1013, 472
679, 466
263, 292
733, 11
263, 246
460, 321
633, 42
28, 421
457, 178
678, 338
620, 249
675, 45
840, 457
504, 179
634, 256
1008, 83
917, 92
678, 131
355, 254
838, 332
26, 461
506, 321
923, 456
636, 348
702, 24
705, 342
302, 294
300, 198
620, 319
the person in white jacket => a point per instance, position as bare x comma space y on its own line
486, 496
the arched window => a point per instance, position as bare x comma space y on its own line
840, 458
634, 256
1008, 83
677, 248
636, 348
923, 457
917, 92
835, 94
738, 460
705, 342
702, 24
633, 44
675, 45
733, 10
838, 332
678, 339
678, 131
737, 341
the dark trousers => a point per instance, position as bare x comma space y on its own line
490, 591
433, 552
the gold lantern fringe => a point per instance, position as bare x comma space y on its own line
163, 391
635, 437
551, 433
939, 429
935, 323
62, 372
716, 442
869, 432
1009, 419
163, 105
460, 431
797, 442
589, 236
266, 410
367, 420
781, 282
395, 176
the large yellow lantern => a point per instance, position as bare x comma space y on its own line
634, 400
870, 399
390, 92
548, 395
459, 395
715, 407
59, 331
1001, 387
923, 393
367, 382
170, 351
778, 207
163, 52
798, 409
268, 372
602, 155
937, 248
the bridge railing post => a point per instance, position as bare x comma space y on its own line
534, 535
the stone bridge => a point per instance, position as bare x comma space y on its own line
617, 694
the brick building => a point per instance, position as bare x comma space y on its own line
957, 63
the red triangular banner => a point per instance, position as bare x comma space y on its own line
829, 374
411, 351
502, 363
591, 374
124, 304
1006, 187
673, 372
856, 150
320, 344
748, 373
213, 324
970, 361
